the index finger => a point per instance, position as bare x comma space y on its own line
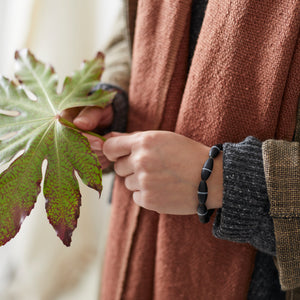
118, 145
92, 116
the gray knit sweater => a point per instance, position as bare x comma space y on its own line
244, 216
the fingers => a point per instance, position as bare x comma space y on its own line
91, 117
95, 142
96, 145
123, 166
118, 145
103, 161
131, 183
88, 118
71, 113
137, 197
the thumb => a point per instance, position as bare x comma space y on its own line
91, 117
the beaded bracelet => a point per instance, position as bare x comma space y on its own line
203, 213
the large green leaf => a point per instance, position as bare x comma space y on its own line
30, 121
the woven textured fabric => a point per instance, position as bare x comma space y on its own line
282, 169
287, 233
297, 132
236, 86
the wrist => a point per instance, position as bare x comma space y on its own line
215, 184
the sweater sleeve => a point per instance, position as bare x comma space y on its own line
244, 216
120, 108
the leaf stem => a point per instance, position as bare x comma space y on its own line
71, 125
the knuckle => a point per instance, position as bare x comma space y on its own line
145, 140
141, 161
148, 201
117, 167
107, 149
145, 200
138, 198
127, 183
144, 180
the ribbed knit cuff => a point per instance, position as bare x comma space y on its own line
120, 107
244, 216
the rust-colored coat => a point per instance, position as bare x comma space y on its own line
238, 85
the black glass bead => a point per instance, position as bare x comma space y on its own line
202, 210
202, 187
202, 192
207, 168
215, 150
202, 213
202, 198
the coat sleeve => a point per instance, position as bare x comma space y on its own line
117, 69
282, 173
117, 53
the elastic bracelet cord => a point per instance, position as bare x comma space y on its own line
203, 213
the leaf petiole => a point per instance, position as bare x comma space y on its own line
71, 125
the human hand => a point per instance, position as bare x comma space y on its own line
163, 170
90, 119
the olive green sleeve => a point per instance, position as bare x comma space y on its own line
282, 172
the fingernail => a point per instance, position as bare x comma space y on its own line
81, 121
96, 145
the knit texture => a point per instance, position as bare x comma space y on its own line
265, 283
244, 216
197, 16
